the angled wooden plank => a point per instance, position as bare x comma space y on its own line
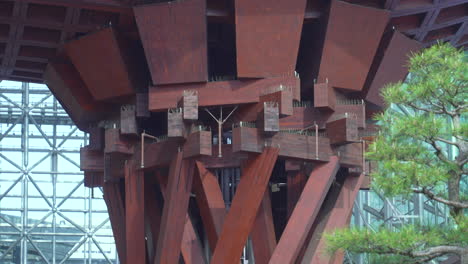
263, 231
304, 213
244, 206
393, 67
351, 41
163, 97
191, 248
174, 37
267, 36
101, 63
337, 217
210, 203
115, 207
135, 213
179, 185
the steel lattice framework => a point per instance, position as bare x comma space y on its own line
46, 213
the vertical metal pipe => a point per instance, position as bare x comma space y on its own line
54, 165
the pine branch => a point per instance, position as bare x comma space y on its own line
433, 196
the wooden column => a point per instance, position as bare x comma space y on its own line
210, 202
116, 209
241, 216
135, 213
338, 217
263, 232
191, 248
175, 209
153, 211
305, 212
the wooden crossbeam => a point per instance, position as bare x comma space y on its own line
210, 203
115, 206
178, 189
135, 213
263, 232
164, 97
241, 216
304, 213
337, 217
291, 145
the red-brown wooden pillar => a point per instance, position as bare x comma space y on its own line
116, 209
263, 232
210, 202
135, 213
304, 213
241, 216
338, 217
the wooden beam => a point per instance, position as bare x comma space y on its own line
304, 213
296, 181
115, 206
175, 209
210, 203
263, 231
163, 97
292, 145
241, 216
135, 213
191, 248
338, 217
153, 212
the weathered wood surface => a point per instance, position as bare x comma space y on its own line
335, 218
393, 66
135, 213
210, 203
244, 206
263, 231
173, 219
174, 38
267, 36
101, 63
291, 145
351, 41
304, 213
164, 97
113, 197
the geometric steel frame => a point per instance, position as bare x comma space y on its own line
30, 188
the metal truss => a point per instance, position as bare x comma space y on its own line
46, 213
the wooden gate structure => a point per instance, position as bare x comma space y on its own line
176, 94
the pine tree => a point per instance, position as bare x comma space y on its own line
425, 117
